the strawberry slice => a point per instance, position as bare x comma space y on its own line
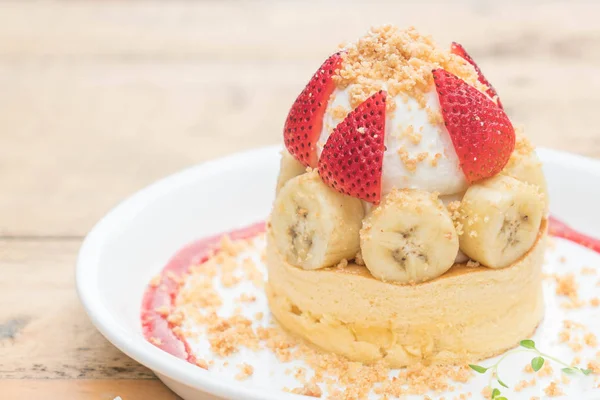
352, 158
305, 119
461, 52
481, 132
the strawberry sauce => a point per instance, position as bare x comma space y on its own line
560, 229
162, 294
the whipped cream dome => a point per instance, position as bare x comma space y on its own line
419, 152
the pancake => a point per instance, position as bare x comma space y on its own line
466, 314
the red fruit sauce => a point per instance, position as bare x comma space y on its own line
156, 326
560, 229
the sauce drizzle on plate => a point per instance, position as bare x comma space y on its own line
161, 294
560, 229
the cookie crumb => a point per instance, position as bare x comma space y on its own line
309, 389
342, 264
529, 369
590, 339
246, 298
246, 371
588, 271
564, 336
576, 346
155, 281
486, 392
546, 370
553, 390
174, 277
525, 384
567, 286
339, 112
163, 311
594, 366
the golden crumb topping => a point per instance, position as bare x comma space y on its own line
246, 371
410, 163
522, 144
400, 62
409, 132
309, 389
546, 370
525, 384
553, 390
588, 271
339, 113
590, 339
567, 286
202, 363
594, 366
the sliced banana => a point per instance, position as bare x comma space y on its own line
500, 219
289, 168
315, 226
408, 238
525, 166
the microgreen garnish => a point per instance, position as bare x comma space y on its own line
537, 363
528, 346
576, 370
478, 368
495, 393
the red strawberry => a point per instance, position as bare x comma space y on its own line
562, 230
305, 119
353, 155
461, 52
481, 132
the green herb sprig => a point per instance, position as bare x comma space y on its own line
537, 362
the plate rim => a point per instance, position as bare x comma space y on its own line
157, 360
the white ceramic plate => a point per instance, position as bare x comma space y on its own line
134, 241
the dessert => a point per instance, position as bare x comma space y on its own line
410, 218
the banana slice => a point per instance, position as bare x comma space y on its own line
315, 226
408, 238
288, 169
525, 166
500, 219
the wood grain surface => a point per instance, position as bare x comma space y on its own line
99, 99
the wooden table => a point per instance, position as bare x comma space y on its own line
98, 99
